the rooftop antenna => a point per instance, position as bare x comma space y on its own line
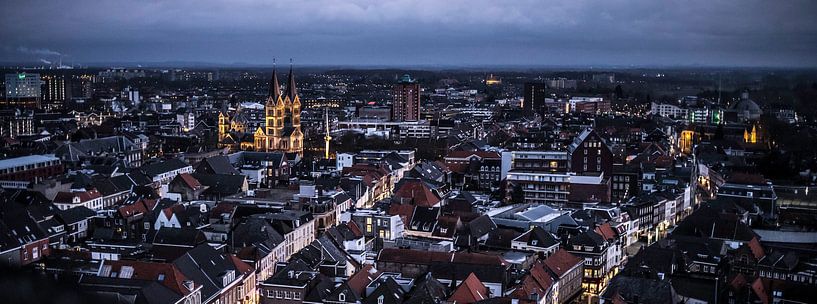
326, 137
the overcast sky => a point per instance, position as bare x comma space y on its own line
403, 32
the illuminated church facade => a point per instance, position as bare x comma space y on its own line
281, 130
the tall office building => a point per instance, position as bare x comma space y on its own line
22, 90
56, 90
406, 103
534, 98
132, 95
82, 86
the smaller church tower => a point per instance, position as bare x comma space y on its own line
223, 126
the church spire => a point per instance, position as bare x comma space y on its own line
274, 86
291, 90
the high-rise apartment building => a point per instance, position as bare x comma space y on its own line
534, 98
56, 90
406, 103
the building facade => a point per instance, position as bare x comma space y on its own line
406, 102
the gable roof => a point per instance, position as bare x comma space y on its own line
205, 265
165, 166
469, 291
362, 278
416, 192
539, 237
165, 273
188, 180
427, 290
84, 196
76, 214
216, 165
561, 261
221, 184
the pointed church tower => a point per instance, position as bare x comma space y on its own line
273, 96
294, 102
292, 90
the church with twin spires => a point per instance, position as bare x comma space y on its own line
281, 130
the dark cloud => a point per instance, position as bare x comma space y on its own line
457, 32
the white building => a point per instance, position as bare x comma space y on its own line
668, 110
23, 85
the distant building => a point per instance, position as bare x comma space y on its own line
493, 80
22, 90
406, 100
746, 109
375, 112
561, 83
589, 105
113, 74
56, 90
604, 78
534, 98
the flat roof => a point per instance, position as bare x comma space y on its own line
26, 160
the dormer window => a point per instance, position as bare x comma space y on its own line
342, 297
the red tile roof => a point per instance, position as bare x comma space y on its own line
84, 196
606, 231
150, 271
538, 281
403, 210
190, 181
759, 287
221, 208
477, 258
538, 273
417, 193
362, 278
354, 229
242, 266
126, 211
561, 262
757, 249
470, 290
366, 170
458, 168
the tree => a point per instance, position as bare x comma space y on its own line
619, 92
518, 195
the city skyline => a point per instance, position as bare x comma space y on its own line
414, 33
